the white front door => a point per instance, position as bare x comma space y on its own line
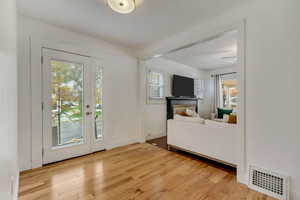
72, 106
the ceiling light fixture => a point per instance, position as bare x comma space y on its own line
122, 6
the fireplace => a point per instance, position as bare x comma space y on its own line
177, 103
181, 109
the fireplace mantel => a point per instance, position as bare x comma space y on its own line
171, 101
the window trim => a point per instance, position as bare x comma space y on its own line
197, 88
99, 67
155, 100
224, 77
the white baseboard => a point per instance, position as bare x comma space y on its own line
16, 187
242, 180
294, 196
107, 147
154, 136
24, 166
142, 140
122, 143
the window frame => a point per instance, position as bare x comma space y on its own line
231, 76
99, 67
199, 88
151, 99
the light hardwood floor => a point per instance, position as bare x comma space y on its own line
139, 171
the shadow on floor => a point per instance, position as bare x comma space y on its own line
162, 143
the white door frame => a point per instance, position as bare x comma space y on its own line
35, 54
50, 153
241, 28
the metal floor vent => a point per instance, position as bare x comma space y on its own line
270, 183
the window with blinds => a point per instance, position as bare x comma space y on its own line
155, 85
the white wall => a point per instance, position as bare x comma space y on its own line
154, 115
8, 100
121, 119
272, 80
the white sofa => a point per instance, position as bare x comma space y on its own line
213, 140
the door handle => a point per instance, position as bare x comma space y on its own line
89, 113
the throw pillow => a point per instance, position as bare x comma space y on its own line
232, 119
226, 118
189, 112
223, 111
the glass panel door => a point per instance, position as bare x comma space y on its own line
73, 106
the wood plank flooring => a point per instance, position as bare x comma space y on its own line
134, 172
160, 142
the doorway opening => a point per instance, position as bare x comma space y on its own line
219, 88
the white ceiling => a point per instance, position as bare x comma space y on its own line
217, 53
153, 20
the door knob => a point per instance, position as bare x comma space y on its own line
89, 113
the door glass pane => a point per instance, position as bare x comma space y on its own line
66, 102
98, 106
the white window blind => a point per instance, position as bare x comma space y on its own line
155, 85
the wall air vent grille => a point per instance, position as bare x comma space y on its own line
269, 183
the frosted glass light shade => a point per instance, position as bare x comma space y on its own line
122, 6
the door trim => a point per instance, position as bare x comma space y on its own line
240, 26
56, 153
34, 53
69, 52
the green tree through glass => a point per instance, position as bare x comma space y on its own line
67, 95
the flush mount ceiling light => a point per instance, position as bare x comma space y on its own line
122, 6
